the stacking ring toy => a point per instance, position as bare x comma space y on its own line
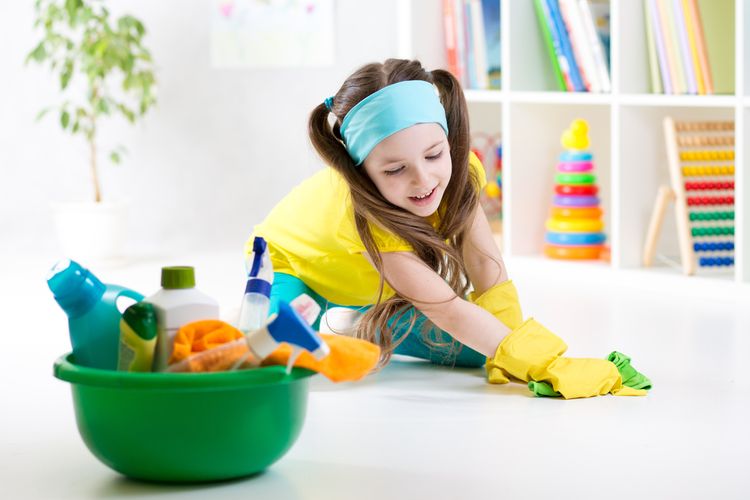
576, 212
575, 179
575, 156
574, 225
573, 252
575, 238
588, 189
575, 166
576, 201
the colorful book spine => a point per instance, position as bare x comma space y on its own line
701, 45
653, 58
665, 24
449, 32
491, 18
597, 47
686, 59
693, 43
661, 49
458, 24
545, 23
479, 44
575, 75
579, 44
471, 68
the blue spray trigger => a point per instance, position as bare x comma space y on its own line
288, 326
259, 248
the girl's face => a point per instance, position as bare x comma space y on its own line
412, 168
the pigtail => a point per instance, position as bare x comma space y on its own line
327, 140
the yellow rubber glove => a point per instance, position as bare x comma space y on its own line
584, 378
532, 352
502, 301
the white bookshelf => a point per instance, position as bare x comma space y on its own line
625, 128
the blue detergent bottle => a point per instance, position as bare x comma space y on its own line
93, 317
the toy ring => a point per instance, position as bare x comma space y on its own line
575, 156
588, 189
576, 201
575, 238
573, 252
576, 212
574, 225
575, 166
575, 179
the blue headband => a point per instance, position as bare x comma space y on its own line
385, 112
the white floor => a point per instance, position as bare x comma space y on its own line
419, 431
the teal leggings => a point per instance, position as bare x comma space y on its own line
286, 287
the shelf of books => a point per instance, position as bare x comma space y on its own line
641, 63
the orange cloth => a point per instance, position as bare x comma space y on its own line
217, 359
196, 347
350, 359
200, 336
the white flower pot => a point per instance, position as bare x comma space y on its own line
92, 232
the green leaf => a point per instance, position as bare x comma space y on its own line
66, 74
102, 107
115, 157
130, 115
38, 54
64, 119
41, 114
72, 7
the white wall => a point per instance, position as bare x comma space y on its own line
215, 155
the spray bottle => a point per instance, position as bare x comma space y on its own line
256, 301
286, 326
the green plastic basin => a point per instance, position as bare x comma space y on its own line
180, 427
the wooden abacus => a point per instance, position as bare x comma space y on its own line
703, 194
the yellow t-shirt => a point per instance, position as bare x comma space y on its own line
311, 234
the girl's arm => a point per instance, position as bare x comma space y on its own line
468, 323
482, 258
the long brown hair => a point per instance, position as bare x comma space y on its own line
438, 248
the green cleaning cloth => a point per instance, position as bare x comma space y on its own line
543, 389
630, 376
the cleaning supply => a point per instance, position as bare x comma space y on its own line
138, 330
533, 353
217, 359
306, 307
256, 301
207, 346
200, 336
350, 359
177, 303
286, 326
630, 376
93, 316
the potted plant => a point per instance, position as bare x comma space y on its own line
103, 70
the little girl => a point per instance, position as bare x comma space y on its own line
392, 227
